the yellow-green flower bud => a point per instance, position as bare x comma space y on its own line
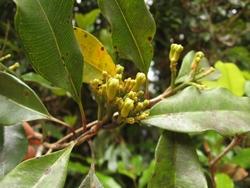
142, 116
119, 102
119, 69
140, 81
118, 76
145, 103
112, 88
140, 93
175, 52
130, 120
132, 95
139, 107
94, 84
14, 66
127, 107
197, 59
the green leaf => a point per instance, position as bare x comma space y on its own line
36, 78
46, 171
242, 158
18, 102
176, 164
13, 148
186, 65
194, 111
133, 29
48, 38
231, 78
223, 181
147, 174
86, 21
96, 57
91, 180
247, 88
107, 181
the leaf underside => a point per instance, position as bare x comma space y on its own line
177, 164
194, 111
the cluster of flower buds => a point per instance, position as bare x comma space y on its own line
125, 96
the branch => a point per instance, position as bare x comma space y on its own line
212, 164
236, 140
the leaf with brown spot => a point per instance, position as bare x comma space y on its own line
96, 57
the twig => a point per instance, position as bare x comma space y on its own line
236, 140
213, 163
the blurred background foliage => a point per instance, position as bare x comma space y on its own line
124, 156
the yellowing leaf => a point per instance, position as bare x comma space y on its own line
96, 57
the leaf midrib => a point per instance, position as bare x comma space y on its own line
26, 107
57, 47
44, 176
130, 30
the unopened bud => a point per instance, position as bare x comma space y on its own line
197, 59
175, 52
130, 120
139, 107
145, 103
119, 69
140, 81
119, 102
127, 107
112, 88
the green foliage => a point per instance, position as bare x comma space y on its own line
45, 170
48, 38
86, 21
121, 154
176, 163
231, 78
19, 100
130, 41
13, 137
242, 158
223, 181
194, 111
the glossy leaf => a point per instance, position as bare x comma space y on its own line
86, 21
176, 164
194, 111
95, 55
48, 38
46, 171
91, 180
133, 29
231, 78
18, 102
223, 181
36, 78
13, 137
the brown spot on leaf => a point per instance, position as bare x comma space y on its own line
149, 38
102, 48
